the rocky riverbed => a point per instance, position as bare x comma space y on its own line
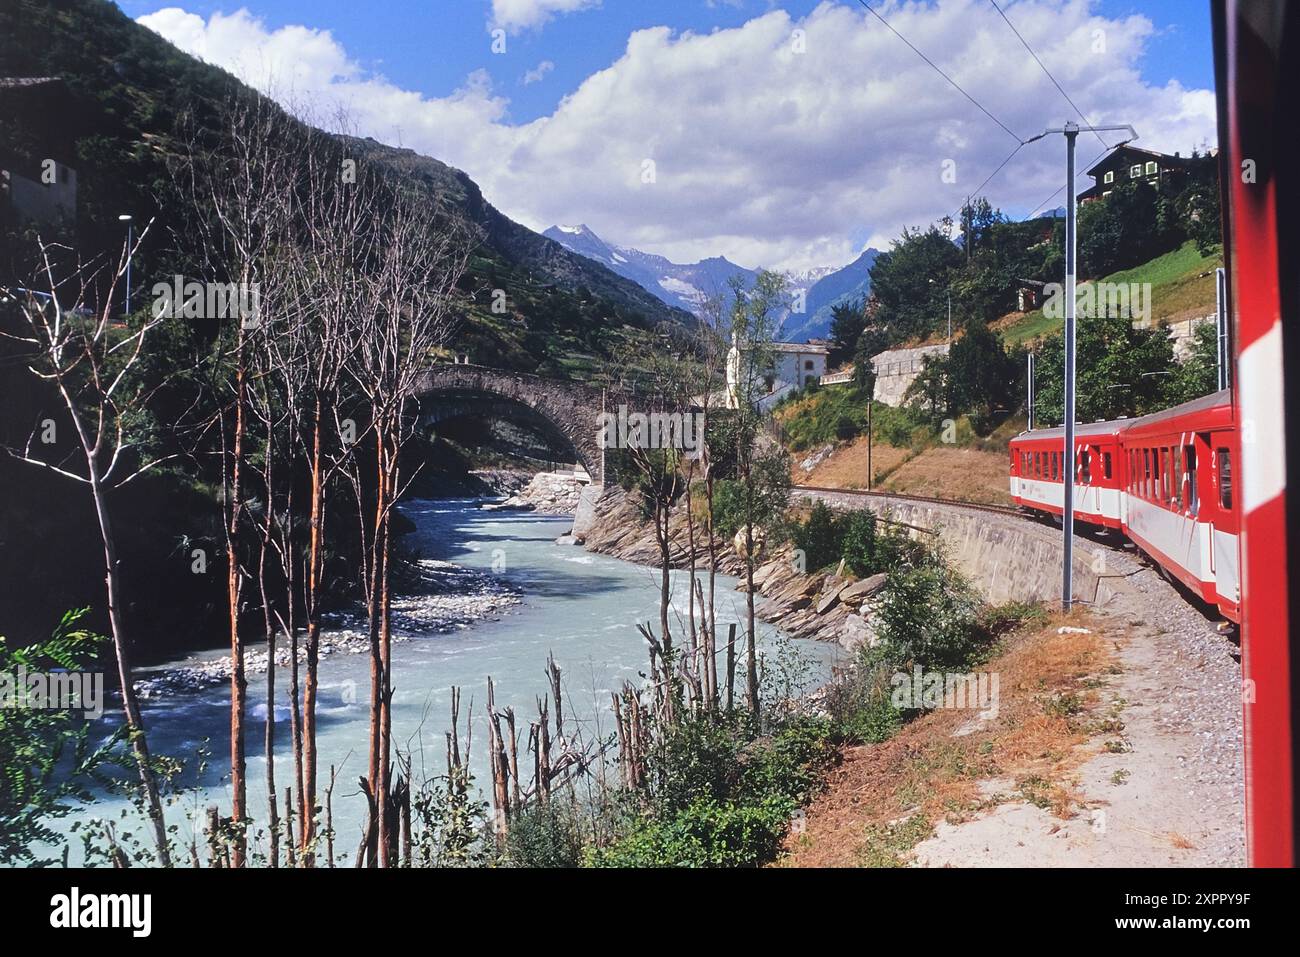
548, 493
827, 606
443, 598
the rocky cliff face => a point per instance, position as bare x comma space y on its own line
820, 605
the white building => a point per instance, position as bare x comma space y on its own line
793, 365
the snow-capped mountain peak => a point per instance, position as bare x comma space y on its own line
689, 286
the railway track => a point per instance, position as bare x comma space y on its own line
1103, 538
1010, 510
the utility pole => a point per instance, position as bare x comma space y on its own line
1071, 132
1029, 388
870, 403
1221, 317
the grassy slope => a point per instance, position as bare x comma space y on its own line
907, 455
1182, 285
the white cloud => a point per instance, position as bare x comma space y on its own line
538, 73
761, 153
526, 14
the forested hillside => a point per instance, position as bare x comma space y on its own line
129, 94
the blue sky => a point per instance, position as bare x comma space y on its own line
448, 94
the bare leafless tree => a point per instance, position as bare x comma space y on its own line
408, 317
73, 340
238, 181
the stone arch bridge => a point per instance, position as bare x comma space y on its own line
563, 410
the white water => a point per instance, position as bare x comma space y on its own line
581, 607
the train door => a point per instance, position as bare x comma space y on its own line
1083, 491
1193, 539
1224, 526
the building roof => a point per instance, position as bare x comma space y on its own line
1106, 160
803, 348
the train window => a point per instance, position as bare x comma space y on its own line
1085, 468
1225, 479
1163, 484
1189, 464
1105, 465
1176, 477
1146, 473
1056, 466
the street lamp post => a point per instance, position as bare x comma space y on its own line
949, 294
130, 241
1071, 132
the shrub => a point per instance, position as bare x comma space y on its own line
860, 704
820, 537
697, 759
545, 835
790, 764
858, 548
47, 761
930, 615
706, 833
875, 721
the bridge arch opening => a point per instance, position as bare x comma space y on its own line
475, 420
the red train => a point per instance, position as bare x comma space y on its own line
1164, 481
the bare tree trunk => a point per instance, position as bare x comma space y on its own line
269, 629
121, 645
665, 586
731, 666
388, 485
693, 664
376, 649
712, 651
307, 799
238, 678
751, 657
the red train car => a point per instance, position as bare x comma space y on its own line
1180, 506
1163, 480
1037, 462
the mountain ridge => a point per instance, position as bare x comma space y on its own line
128, 90
687, 285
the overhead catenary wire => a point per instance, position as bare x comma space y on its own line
934, 66
1060, 89
1083, 171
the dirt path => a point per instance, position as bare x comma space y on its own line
1116, 747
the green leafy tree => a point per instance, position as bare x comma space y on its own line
910, 282
847, 322
983, 377
1135, 223
47, 760
1121, 371
1198, 374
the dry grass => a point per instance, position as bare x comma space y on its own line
846, 467
881, 801
967, 475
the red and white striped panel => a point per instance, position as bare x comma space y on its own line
1255, 80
